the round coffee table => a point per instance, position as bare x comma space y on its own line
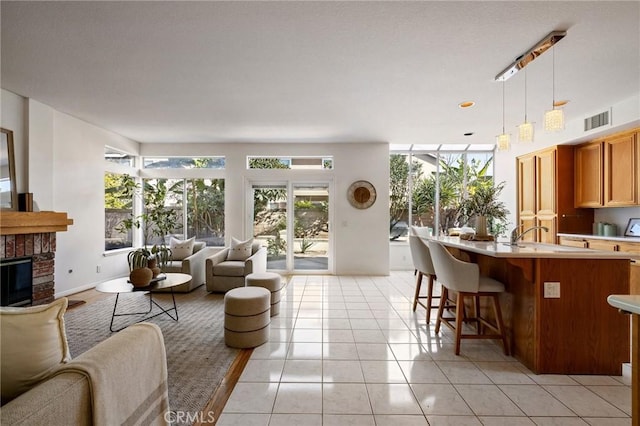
122, 285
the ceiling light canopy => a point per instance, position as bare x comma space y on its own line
523, 60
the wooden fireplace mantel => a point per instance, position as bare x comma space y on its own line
13, 223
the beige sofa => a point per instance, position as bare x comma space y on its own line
193, 265
122, 380
223, 274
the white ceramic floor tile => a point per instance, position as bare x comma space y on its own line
503, 372
360, 313
463, 372
374, 351
392, 399
583, 402
337, 336
299, 398
336, 323
252, 398
600, 421
552, 379
534, 400
342, 371
559, 421
345, 398
302, 322
443, 399
262, 370
348, 420
410, 352
335, 314
364, 324
306, 335
305, 351
369, 336
453, 421
232, 419
382, 372
302, 370
506, 421
401, 420
620, 396
592, 380
488, 400
422, 372
400, 336
345, 351
296, 419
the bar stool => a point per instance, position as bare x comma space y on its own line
465, 279
423, 264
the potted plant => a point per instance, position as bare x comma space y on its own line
483, 204
157, 220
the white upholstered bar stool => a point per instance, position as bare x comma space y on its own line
464, 278
424, 266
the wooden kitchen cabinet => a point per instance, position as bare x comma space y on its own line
606, 171
588, 175
545, 194
633, 248
621, 170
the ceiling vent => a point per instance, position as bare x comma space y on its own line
596, 121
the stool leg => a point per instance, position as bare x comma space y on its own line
459, 315
478, 323
429, 298
500, 323
418, 284
443, 301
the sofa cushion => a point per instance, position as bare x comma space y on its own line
34, 344
240, 250
229, 268
180, 250
198, 245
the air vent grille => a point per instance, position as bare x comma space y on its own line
597, 120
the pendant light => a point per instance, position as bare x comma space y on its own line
554, 118
503, 141
525, 130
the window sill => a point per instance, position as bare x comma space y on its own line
117, 252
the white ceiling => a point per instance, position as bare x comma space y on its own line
315, 71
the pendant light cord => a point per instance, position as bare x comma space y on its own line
553, 78
525, 95
502, 106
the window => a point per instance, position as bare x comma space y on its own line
194, 205
217, 163
118, 157
118, 206
294, 163
427, 186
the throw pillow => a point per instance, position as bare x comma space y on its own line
240, 250
33, 345
180, 250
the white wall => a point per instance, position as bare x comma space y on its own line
361, 241
61, 160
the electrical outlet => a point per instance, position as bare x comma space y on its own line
98, 269
552, 290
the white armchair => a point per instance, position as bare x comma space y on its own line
193, 265
223, 274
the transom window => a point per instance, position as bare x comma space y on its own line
293, 163
217, 163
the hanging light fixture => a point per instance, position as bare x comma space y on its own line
525, 130
503, 141
554, 118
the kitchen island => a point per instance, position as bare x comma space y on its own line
570, 328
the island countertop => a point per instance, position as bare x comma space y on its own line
625, 302
529, 250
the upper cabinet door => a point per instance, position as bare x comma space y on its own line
621, 171
588, 175
546, 182
527, 186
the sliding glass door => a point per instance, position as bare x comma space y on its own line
292, 221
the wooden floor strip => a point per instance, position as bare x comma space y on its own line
214, 407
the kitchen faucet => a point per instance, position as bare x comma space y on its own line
515, 237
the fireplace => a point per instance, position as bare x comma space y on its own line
32, 236
16, 281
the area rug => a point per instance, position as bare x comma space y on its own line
197, 357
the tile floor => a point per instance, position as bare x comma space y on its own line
349, 351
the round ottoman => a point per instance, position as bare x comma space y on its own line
246, 317
272, 282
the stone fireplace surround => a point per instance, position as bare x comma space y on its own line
33, 234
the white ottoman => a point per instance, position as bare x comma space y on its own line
272, 282
247, 316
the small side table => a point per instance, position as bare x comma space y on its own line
121, 285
